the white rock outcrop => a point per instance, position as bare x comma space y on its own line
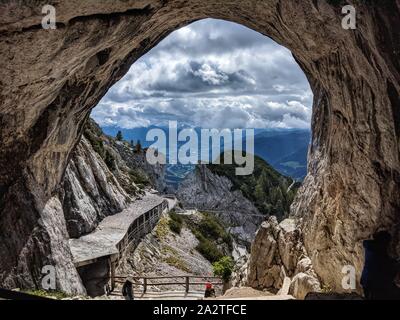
278, 255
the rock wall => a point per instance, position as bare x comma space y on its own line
203, 189
90, 191
50, 80
278, 256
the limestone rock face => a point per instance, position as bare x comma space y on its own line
155, 173
66, 275
277, 254
90, 191
203, 189
302, 284
50, 80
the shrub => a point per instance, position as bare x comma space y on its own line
109, 160
138, 177
208, 249
211, 228
95, 142
209, 232
223, 268
175, 226
162, 228
119, 136
175, 223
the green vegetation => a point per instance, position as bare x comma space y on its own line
212, 237
223, 268
94, 134
133, 179
138, 177
207, 248
266, 187
109, 160
211, 228
119, 136
175, 222
162, 228
138, 147
177, 262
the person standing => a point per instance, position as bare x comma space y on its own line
127, 290
209, 292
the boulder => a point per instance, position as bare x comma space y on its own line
275, 253
302, 284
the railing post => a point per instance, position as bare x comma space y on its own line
144, 285
187, 284
112, 276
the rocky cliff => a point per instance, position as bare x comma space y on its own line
51, 79
206, 191
242, 202
102, 177
279, 261
90, 191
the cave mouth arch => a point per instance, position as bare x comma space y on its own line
214, 74
47, 97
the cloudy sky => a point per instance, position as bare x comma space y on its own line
211, 74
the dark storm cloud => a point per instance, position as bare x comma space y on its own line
211, 73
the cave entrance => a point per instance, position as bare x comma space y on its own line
214, 74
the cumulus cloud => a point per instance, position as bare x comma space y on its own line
211, 73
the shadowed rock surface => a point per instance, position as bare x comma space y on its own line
50, 80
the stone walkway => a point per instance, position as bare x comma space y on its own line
110, 231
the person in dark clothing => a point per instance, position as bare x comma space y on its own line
380, 270
127, 290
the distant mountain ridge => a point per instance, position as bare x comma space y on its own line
284, 149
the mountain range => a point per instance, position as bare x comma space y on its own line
284, 149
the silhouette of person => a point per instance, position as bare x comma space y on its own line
127, 290
380, 270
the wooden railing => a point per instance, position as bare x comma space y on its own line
140, 227
185, 282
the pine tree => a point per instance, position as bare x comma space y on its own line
119, 136
138, 146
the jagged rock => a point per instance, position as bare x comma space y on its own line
304, 265
290, 245
90, 191
302, 284
155, 173
265, 260
277, 254
66, 276
353, 179
240, 272
284, 290
203, 189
